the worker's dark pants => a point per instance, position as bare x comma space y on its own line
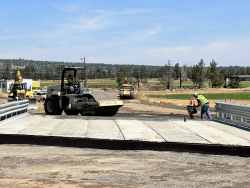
75, 88
205, 109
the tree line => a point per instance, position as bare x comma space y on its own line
135, 73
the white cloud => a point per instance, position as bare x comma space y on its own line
142, 34
123, 12
114, 53
118, 54
87, 23
104, 19
217, 46
172, 50
66, 8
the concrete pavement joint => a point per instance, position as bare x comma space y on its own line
192, 132
58, 125
204, 138
119, 129
155, 131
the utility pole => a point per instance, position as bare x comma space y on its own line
45, 72
85, 82
138, 79
59, 73
141, 73
168, 74
180, 79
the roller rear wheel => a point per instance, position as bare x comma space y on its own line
51, 106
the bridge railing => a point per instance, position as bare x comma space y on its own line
12, 109
232, 113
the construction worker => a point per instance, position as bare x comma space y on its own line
71, 80
203, 102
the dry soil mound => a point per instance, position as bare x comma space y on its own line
145, 87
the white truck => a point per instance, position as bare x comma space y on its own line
29, 83
38, 94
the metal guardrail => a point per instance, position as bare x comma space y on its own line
223, 110
11, 109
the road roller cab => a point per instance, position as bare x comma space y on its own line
71, 97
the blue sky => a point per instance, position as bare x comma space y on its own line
148, 32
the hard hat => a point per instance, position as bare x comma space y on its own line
195, 94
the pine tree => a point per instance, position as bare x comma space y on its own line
234, 83
176, 72
213, 75
6, 73
197, 73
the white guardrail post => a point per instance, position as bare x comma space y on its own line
11, 109
223, 110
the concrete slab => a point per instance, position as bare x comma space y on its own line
104, 129
71, 128
127, 132
212, 133
17, 125
173, 133
41, 126
236, 130
137, 130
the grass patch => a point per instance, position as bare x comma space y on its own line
245, 83
213, 96
48, 84
153, 83
177, 84
205, 84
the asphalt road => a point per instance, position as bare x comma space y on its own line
40, 166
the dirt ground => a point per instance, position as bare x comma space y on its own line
48, 166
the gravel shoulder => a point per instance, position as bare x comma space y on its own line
40, 166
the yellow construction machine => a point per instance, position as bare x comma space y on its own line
18, 91
127, 91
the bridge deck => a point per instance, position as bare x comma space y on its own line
141, 128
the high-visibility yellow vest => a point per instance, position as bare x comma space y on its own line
74, 81
202, 99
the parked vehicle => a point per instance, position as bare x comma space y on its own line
40, 96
